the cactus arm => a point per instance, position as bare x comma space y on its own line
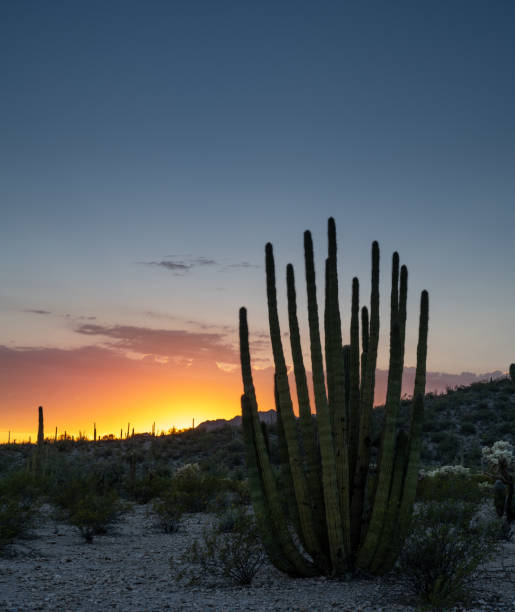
367, 402
354, 399
302, 566
387, 451
300, 485
307, 429
420, 374
258, 496
409, 488
331, 500
286, 479
364, 341
336, 384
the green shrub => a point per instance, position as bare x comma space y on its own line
444, 552
169, 511
193, 489
236, 556
449, 486
93, 513
22, 485
150, 486
16, 517
467, 428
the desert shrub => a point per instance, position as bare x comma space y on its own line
149, 487
444, 552
467, 428
235, 557
229, 519
16, 518
21, 484
168, 510
450, 482
92, 514
438, 436
193, 489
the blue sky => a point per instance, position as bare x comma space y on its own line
140, 132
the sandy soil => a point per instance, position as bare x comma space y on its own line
129, 569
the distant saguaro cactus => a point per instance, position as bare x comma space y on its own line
512, 373
345, 517
41, 428
38, 456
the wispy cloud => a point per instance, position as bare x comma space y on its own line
182, 264
173, 344
38, 311
243, 264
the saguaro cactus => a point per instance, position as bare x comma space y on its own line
38, 455
344, 519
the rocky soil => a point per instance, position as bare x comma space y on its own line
129, 569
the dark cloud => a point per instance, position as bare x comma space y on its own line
166, 343
38, 311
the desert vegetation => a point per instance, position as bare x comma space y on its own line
412, 502
89, 490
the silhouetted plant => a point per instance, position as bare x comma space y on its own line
92, 514
16, 518
194, 489
236, 556
500, 463
169, 511
324, 491
451, 483
444, 552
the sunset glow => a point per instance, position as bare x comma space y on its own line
149, 153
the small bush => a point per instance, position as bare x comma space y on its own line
194, 489
149, 487
467, 428
231, 519
16, 517
20, 484
460, 487
444, 552
235, 557
169, 511
93, 513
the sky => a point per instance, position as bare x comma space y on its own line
149, 150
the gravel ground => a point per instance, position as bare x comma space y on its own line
130, 569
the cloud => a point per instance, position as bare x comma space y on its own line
243, 264
38, 311
180, 266
173, 344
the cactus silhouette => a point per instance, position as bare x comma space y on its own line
345, 518
512, 373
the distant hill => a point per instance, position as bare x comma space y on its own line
436, 382
268, 417
457, 422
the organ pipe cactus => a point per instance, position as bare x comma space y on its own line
324, 512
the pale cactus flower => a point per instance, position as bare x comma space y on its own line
447, 470
500, 453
